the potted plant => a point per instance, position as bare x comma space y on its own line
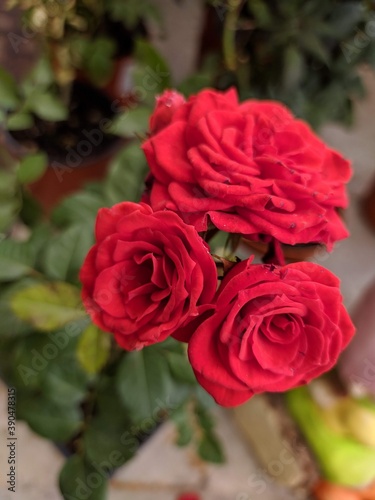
58, 110
73, 384
306, 55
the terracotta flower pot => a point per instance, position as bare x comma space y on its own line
79, 150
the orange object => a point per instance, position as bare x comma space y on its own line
324, 490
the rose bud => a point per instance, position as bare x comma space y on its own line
166, 106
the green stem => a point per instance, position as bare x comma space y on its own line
229, 35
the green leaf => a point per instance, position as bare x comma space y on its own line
182, 419
180, 367
152, 73
31, 211
125, 179
10, 325
293, 68
48, 418
209, 447
19, 121
132, 12
42, 75
79, 479
314, 46
132, 122
48, 363
8, 212
98, 57
65, 382
48, 107
8, 91
65, 252
109, 437
16, 260
32, 167
10, 201
210, 450
145, 384
48, 306
93, 349
80, 208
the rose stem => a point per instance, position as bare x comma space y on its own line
274, 254
229, 35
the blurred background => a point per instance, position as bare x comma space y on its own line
78, 80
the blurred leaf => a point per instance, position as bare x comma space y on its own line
131, 122
10, 325
64, 253
210, 450
65, 381
293, 68
41, 77
48, 418
314, 46
31, 210
180, 366
31, 167
97, 58
74, 480
146, 385
109, 437
344, 18
9, 200
48, 107
209, 447
48, 364
19, 121
132, 12
183, 421
93, 349
80, 208
48, 306
8, 91
126, 175
16, 260
261, 12
152, 73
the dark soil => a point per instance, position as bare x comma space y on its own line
90, 109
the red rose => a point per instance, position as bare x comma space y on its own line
248, 168
166, 106
148, 274
274, 328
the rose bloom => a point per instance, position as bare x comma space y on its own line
273, 329
147, 275
249, 168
